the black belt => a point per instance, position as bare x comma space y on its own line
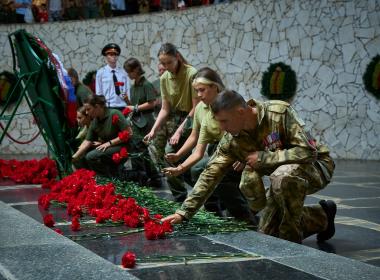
181, 114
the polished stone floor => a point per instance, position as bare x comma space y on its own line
355, 188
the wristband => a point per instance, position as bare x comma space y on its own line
136, 108
110, 142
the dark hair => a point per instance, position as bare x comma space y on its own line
227, 100
72, 73
210, 74
82, 110
95, 100
133, 63
170, 49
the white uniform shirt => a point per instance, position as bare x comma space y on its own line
105, 85
117, 5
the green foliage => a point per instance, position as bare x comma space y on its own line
202, 223
289, 86
371, 77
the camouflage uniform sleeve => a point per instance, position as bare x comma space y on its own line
297, 147
215, 170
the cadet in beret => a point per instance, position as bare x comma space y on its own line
271, 139
111, 80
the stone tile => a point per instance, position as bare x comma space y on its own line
257, 269
18, 229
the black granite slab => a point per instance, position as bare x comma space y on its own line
327, 266
21, 195
254, 269
113, 248
368, 214
347, 239
37, 213
363, 179
349, 191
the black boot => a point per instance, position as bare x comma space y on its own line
329, 207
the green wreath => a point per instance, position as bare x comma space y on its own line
371, 77
279, 82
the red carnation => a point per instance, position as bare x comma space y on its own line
48, 220
128, 260
119, 84
124, 135
126, 111
115, 119
116, 158
123, 152
75, 225
44, 201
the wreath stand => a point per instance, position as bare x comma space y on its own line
38, 77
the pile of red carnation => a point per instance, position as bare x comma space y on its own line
33, 171
83, 195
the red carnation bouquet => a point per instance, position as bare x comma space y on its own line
82, 195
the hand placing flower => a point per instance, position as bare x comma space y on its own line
127, 110
173, 171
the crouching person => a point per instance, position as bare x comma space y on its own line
270, 138
105, 148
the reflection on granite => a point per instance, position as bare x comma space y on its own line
113, 248
21, 195
365, 239
257, 269
37, 213
349, 191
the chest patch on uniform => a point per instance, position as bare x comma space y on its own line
272, 142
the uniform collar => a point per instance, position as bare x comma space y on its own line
260, 115
110, 69
140, 82
259, 107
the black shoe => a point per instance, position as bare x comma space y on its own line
329, 207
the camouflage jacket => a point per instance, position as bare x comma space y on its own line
279, 139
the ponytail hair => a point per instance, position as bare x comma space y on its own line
170, 49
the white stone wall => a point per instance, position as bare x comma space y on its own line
328, 44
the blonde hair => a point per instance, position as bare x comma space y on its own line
208, 76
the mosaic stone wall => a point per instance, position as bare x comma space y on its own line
327, 43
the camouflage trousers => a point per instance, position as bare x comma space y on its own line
161, 146
226, 193
101, 162
283, 212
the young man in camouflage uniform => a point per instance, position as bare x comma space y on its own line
270, 138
